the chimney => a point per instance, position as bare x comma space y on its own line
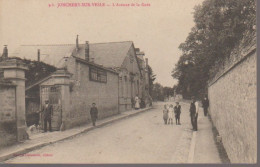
5, 52
77, 43
87, 51
39, 55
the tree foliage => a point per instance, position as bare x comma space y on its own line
152, 77
159, 92
168, 91
219, 27
36, 71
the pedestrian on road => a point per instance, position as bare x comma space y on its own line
143, 105
150, 101
47, 112
177, 111
170, 114
94, 114
205, 105
165, 114
133, 102
194, 113
137, 102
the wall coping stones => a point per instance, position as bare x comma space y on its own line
243, 53
13, 64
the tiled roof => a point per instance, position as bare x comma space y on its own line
111, 54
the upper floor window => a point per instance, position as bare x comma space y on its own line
98, 75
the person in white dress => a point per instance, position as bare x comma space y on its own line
137, 102
170, 114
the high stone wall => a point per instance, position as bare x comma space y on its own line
233, 105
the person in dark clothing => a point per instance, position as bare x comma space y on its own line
47, 115
142, 104
94, 114
177, 111
133, 102
205, 105
194, 114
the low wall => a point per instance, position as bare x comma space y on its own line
233, 106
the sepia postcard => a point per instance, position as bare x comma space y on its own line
128, 82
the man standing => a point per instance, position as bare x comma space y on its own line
205, 105
47, 115
194, 106
94, 113
177, 111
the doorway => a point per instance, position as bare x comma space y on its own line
53, 94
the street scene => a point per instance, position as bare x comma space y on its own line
144, 134
159, 83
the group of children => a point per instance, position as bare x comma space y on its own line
168, 112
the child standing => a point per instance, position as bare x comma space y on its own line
165, 114
177, 111
170, 114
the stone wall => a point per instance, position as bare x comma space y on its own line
7, 115
233, 105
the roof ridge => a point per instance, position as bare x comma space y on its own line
75, 44
49, 45
112, 42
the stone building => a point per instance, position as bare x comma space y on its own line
145, 86
121, 57
108, 74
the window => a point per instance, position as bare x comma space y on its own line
1, 73
98, 75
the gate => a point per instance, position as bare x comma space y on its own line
53, 94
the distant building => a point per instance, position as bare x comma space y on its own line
145, 85
178, 97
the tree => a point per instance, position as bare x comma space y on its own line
36, 71
168, 91
157, 92
152, 77
219, 27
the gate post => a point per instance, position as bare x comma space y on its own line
65, 98
14, 71
61, 77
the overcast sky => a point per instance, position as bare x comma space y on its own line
157, 30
